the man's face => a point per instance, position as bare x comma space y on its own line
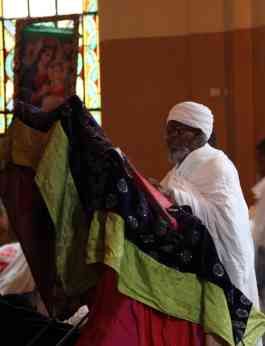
180, 140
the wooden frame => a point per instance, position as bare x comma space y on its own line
45, 60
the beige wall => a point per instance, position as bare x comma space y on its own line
153, 18
155, 54
134, 19
258, 13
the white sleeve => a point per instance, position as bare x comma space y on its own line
182, 192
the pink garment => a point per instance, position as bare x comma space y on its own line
15, 274
117, 320
8, 254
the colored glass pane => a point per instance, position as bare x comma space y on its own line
97, 116
80, 88
9, 34
92, 96
68, 7
9, 95
80, 43
2, 97
15, 8
90, 5
10, 105
9, 45
2, 92
88, 80
79, 64
91, 62
9, 64
2, 101
1, 33
92, 82
2, 124
80, 28
42, 8
91, 31
9, 118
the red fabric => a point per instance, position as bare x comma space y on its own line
117, 320
160, 202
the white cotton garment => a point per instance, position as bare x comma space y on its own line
259, 218
194, 115
16, 277
208, 182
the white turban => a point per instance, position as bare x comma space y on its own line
193, 114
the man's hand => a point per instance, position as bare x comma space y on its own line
155, 183
159, 187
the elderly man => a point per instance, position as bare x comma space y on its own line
205, 179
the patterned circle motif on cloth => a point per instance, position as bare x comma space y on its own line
122, 186
195, 237
218, 270
241, 313
239, 324
186, 256
245, 301
132, 221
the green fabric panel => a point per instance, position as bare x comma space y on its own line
79, 254
58, 190
174, 293
255, 327
106, 240
52, 173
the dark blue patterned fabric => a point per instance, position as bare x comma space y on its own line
104, 182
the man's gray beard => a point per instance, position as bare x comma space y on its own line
177, 156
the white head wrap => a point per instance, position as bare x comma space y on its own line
193, 114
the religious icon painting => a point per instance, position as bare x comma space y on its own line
46, 60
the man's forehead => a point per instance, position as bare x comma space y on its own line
176, 124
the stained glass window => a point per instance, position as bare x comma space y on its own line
88, 77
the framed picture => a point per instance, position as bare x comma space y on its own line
46, 60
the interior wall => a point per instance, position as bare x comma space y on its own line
259, 67
153, 56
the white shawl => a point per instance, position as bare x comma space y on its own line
259, 218
208, 182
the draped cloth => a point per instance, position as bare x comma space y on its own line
101, 216
118, 320
259, 218
258, 228
208, 182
